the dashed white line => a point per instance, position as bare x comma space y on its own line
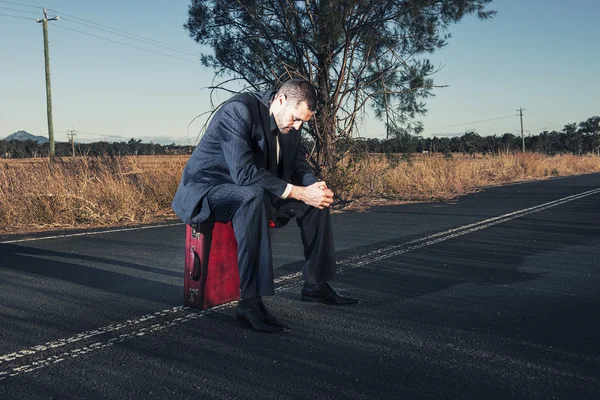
292, 279
139, 228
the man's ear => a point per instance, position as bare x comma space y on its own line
281, 99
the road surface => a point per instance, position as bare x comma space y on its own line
494, 295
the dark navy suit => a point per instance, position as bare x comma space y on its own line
233, 175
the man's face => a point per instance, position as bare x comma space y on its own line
290, 116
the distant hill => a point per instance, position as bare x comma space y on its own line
22, 135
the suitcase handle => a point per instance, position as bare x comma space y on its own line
195, 272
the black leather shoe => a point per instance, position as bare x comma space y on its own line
324, 293
271, 320
255, 318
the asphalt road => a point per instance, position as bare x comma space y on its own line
494, 295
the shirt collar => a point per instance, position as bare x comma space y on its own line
274, 127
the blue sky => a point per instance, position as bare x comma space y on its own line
542, 57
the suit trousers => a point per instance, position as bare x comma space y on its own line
249, 209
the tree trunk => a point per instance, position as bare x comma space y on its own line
326, 121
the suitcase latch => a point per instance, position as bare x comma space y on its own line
195, 233
193, 293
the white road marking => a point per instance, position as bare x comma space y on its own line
88, 335
139, 228
140, 326
486, 223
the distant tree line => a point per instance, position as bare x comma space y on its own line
30, 149
581, 138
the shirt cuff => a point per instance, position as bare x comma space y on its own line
288, 189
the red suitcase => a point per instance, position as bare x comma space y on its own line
211, 269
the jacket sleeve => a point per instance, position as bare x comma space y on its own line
235, 126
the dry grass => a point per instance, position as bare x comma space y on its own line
441, 179
87, 192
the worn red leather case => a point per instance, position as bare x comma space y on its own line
211, 269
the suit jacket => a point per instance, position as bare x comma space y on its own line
239, 148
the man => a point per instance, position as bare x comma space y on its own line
248, 163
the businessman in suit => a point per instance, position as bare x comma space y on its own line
249, 167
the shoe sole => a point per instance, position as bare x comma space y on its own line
318, 300
242, 321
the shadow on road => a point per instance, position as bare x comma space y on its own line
85, 270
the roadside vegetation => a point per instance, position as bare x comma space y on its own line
86, 191
107, 191
385, 178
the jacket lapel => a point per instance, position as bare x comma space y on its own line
266, 124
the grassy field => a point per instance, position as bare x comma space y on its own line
436, 178
143, 161
86, 191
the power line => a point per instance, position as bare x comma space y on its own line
133, 37
122, 138
68, 132
473, 122
17, 16
112, 31
105, 135
542, 119
20, 4
469, 110
101, 134
108, 29
130, 45
447, 134
21, 11
125, 32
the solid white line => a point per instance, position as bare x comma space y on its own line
139, 228
452, 233
346, 264
469, 226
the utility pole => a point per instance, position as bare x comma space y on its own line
71, 136
48, 90
520, 110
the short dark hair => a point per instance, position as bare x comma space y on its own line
298, 90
